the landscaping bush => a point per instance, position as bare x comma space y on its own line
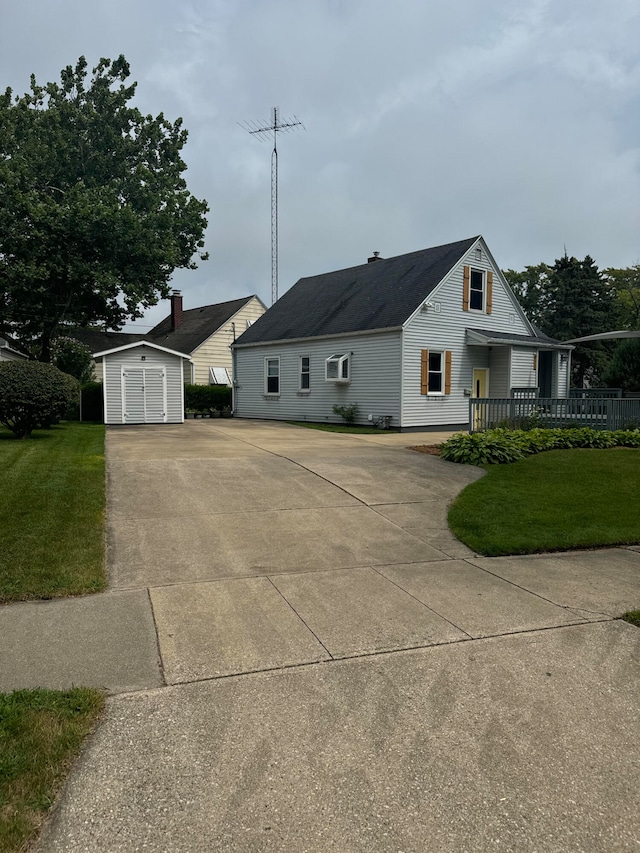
499, 446
482, 448
347, 413
34, 395
207, 398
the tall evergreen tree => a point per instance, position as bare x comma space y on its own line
569, 300
580, 301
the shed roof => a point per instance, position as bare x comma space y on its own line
378, 295
142, 344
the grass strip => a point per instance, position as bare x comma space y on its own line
563, 499
632, 616
348, 428
52, 507
41, 732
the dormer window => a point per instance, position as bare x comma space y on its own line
336, 368
476, 290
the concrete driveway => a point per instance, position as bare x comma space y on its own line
302, 658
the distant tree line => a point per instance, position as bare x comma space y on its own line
572, 299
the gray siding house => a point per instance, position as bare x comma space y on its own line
407, 339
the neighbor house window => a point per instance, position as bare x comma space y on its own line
272, 375
337, 368
435, 373
477, 290
305, 373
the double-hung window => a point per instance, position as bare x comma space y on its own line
272, 375
435, 376
477, 290
336, 368
435, 371
305, 373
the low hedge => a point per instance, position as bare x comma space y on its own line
499, 446
207, 398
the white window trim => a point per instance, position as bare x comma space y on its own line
442, 371
302, 390
267, 359
483, 273
339, 361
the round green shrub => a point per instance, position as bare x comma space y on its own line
34, 395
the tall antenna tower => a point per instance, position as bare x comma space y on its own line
263, 131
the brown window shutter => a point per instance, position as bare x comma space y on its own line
489, 291
465, 288
535, 361
424, 372
447, 372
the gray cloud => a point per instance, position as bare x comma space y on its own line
425, 123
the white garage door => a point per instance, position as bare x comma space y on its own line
144, 395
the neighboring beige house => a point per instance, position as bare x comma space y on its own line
205, 334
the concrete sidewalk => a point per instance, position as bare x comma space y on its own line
301, 657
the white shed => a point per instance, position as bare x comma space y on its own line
143, 383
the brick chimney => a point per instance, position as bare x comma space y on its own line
376, 257
176, 309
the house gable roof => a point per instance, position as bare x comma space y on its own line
377, 295
197, 325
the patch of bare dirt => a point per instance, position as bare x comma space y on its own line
431, 449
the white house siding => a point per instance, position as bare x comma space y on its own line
524, 372
11, 355
563, 375
127, 359
500, 372
215, 352
442, 326
374, 385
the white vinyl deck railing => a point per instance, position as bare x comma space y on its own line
518, 412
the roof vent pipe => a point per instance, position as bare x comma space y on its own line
176, 309
376, 257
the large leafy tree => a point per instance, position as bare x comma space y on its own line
95, 214
626, 283
531, 288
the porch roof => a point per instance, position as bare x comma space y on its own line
491, 338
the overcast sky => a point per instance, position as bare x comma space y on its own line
425, 123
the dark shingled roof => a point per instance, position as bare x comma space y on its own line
99, 341
197, 325
377, 295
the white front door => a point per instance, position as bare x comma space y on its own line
144, 395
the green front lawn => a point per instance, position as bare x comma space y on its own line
559, 500
41, 731
52, 504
